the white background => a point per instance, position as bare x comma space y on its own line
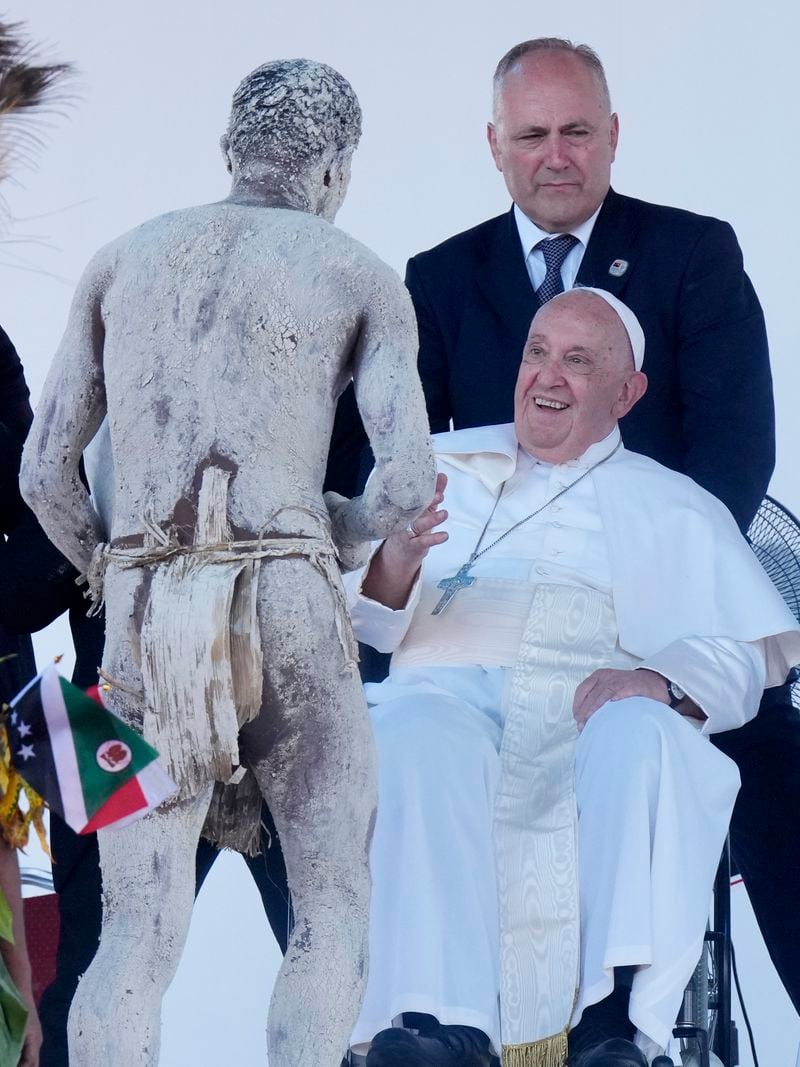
707, 95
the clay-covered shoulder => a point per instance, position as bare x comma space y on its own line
186, 219
141, 236
99, 271
135, 247
367, 274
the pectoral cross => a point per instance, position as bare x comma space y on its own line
460, 580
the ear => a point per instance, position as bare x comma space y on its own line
225, 148
614, 135
336, 168
633, 389
491, 136
334, 175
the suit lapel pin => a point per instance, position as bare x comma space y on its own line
618, 268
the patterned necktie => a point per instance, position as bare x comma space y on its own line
555, 250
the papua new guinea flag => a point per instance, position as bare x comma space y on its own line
84, 762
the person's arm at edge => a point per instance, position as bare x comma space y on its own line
392, 408
38, 583
71, 409
16, 413
350, 459
16, 955
15, 420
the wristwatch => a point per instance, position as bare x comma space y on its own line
676, 694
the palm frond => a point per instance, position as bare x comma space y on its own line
28, 89
25, 84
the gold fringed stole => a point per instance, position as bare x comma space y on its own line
550, 1052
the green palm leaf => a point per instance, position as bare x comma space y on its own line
6, 922
27, 86
13, 1018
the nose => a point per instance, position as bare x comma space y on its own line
549, 373
556, 157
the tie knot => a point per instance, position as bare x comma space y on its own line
556, 249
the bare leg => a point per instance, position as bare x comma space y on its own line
148, 873
313, 754
148, 893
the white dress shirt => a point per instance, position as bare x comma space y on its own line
530, 235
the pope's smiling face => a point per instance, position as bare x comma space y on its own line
554, 139
577, 377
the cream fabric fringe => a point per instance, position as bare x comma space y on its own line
550, 1052
202, 664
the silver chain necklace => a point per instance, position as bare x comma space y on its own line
462, 579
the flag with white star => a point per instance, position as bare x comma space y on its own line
86, 764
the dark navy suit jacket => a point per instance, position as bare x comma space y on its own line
708, 411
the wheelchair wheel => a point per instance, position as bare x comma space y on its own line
696, 1024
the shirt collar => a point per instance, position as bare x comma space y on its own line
593, 455
491, 453
530, 234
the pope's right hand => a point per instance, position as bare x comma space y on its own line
395, 565
411, 545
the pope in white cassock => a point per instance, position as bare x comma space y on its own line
551, 812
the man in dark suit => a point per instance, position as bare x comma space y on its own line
708, 410
707, 363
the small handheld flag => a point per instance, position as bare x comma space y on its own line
86, 764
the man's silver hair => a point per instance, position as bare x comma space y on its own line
551, 45
292, 111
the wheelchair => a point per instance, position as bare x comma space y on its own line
705, 1032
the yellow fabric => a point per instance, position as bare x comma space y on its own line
14, 822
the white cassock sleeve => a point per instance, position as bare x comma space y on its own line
373, 623
725, 678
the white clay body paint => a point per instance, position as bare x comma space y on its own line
217, 340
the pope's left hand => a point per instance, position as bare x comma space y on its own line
608, 684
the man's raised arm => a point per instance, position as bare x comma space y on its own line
71, 409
